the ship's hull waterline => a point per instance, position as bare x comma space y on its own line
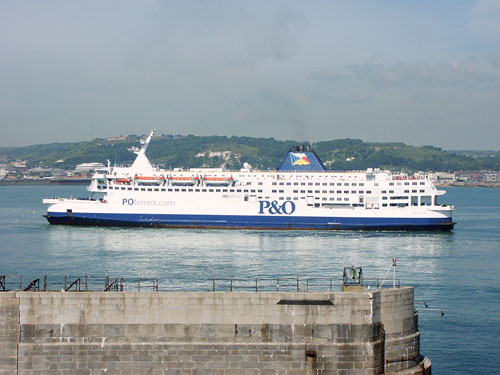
245, 222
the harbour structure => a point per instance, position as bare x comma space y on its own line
301, 194
353, 332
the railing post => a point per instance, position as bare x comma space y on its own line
231, 285
45, 283
307, 285
213, 285
65, 282
298, 284
157, 284
106, 283
256, 285
20, 282
139, 285
331, 285
86, 283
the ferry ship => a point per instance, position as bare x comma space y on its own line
300, 194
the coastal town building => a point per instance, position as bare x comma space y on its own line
490, 176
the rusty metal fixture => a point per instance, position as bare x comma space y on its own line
311, 357
116, 285
74, 283
382, 347
34, 286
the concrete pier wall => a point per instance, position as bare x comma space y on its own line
211, 333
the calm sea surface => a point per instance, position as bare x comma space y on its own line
458, 272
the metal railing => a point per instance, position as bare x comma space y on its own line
293, 284
78, 284
118, 284
15, 282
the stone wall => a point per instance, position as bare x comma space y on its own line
212, 333
9, 332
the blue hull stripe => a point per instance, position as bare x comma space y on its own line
254, 222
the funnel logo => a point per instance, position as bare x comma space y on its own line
299, 159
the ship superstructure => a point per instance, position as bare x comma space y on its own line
301, 194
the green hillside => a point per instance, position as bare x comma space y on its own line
262, 153
398, 156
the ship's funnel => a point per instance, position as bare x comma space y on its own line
305, 161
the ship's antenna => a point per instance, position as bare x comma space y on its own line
145, 143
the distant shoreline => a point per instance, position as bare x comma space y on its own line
45, 182
468, 184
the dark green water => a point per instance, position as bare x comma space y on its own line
458, 272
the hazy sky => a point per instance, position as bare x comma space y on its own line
422, 72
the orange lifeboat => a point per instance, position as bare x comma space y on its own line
149, 180
123, 181
218, 181
183, 180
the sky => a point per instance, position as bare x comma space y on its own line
421, 72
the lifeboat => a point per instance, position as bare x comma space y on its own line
123, 181
218, 181
183, 181
149, 180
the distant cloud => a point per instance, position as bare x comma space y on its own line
472, 72
325, 76
390, 70
484, 19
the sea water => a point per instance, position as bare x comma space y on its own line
456, 272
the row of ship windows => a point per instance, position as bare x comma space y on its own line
426, 202
399, 183
340, 191
414, 199
339, 183
253, 190
324, 191
316, 184
236, 190
297, 198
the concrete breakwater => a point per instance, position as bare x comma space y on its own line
210, 333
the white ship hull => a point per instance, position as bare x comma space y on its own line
182, 213
258, 200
